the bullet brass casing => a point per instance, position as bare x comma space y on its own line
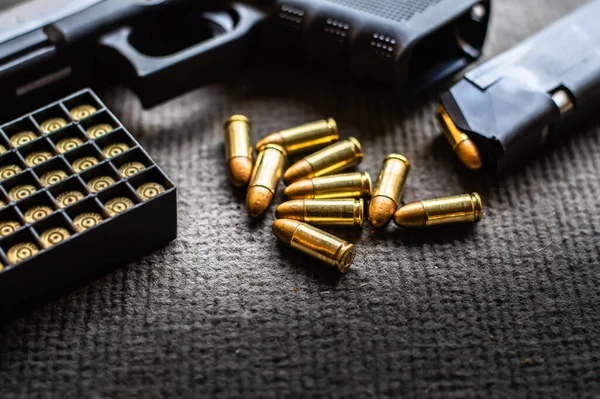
392, 177
335, 158
317, 243
52, 125
305, 138
37, 213
466, 208
462, 145
238, 145
22, 138
269, 167
54, 236
82, 111
22, 251
343, 185
99, 130
388, 190
8, 227
69, 198
325, 212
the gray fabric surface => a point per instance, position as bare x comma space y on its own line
508, 308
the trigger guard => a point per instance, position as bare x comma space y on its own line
156, 79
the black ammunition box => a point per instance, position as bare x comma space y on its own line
143, 224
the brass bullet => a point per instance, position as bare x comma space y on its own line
238, 150
265, 177
465, 208
69, 198
114, 149
148, 191
462, 145
99, 130
118, 205
316, 243
54, 176
86, 220
2, 149
68, 144
388, 190
52, 125
305, 138
2, 204
84, 163
82, 111
343, 185
329, 160
324, 212
37, 213
36, 158
19, 192
8, 171
22, 138
8, 227
54, 236
1, 267
20, 252
131, 168
100, 183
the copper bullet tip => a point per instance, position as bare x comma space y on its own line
381, 210
291, 210
258, 200
300, 189
273, 138
240, 169
284, 229
300, 170
411, 215
469, 155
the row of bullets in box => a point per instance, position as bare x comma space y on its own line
320, 195
55, 235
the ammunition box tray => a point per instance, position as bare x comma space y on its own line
80, 197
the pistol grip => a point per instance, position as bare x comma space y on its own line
156, 78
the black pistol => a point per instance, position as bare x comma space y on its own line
507, 109
163, 48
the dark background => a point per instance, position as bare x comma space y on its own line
507, 308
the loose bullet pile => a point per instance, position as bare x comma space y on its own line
320, 195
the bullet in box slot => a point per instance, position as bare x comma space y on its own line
150, 183
11, 164
69, 138
115, 143
37, 207
54, 230
82, 105
53, 172
52, 119
69, 192
87, 214
99, 124
118, 199
100, 177
21, 246
37, 152
11, 221
21, 186
84, 157
20, 132
132, 162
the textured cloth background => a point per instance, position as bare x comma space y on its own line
507, 308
